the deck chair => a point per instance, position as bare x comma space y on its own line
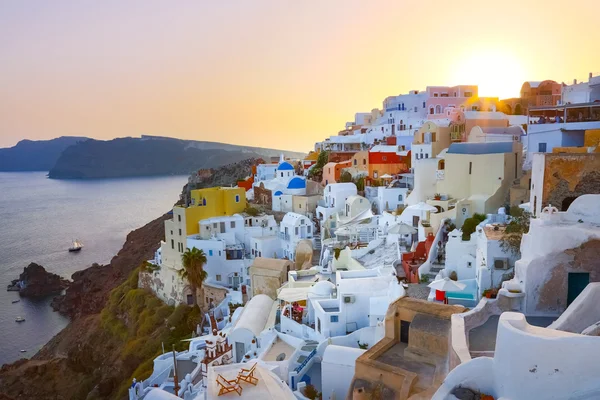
228, 386
247, 375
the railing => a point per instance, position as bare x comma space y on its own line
284, 236
440, 174
303, 364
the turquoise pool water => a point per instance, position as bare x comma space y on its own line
460, 295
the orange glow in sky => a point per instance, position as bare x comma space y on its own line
267, 73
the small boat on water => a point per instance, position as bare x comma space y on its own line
23, 351
15, 301
77, 246
20, 319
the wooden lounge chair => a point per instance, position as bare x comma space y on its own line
228, 386
247, 375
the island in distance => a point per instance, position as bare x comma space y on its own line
84, 158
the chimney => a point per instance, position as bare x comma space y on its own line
574, 81
590, 76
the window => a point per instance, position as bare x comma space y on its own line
172, 244
308, 229
333, 318
299, 205
470, 167
469, 264
424, 105
542, 147
218, 278
416, 107
282, 174
430, 110
179, 218
319, 325
203, 202
210, 253
438, 109
171, 233
232, 224
399, 197
215, 225
364, 161
384, 158
296, 230
426, 155
237, 197
435, 95
468, 94
179, 232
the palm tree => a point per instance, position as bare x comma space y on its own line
193, 269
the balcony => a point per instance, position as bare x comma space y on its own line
440, 174
284, 236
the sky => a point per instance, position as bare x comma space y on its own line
268, 73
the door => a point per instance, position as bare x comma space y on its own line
415, 236
240, 350
404, 325
577, 282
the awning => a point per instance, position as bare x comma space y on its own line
293, 294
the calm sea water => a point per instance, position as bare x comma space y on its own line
39, 218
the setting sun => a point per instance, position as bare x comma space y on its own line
498, 73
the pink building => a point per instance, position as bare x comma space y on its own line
463, 97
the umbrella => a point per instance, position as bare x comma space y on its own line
402, 229
424, 207
447, 285
386, 176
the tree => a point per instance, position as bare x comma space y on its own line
346, 177
360, 183
512, 235
193, 269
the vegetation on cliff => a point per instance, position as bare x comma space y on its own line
143, 324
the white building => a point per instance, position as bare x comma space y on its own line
358, 299
558, 257
530, 362
294, 228
334, 199
389, 198
253, 320
584, 92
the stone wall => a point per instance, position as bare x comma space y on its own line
262, 195
568, 176
554, 290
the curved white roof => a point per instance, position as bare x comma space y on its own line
292, 218
322, 288
158, 394
586, 206
255, 314
341, 355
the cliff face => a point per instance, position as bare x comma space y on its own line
84, 360
29, 155
126, 157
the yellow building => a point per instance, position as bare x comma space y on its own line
213, 202
205, 203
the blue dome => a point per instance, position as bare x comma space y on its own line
285, 166
278, 193
297, 183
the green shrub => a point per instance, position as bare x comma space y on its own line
469, 226
479, 217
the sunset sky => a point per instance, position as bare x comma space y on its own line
276, 73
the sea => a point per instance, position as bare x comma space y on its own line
39, 219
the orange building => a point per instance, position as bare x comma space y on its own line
332, 171
388, 159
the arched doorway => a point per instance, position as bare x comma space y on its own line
567, 202
518, 109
